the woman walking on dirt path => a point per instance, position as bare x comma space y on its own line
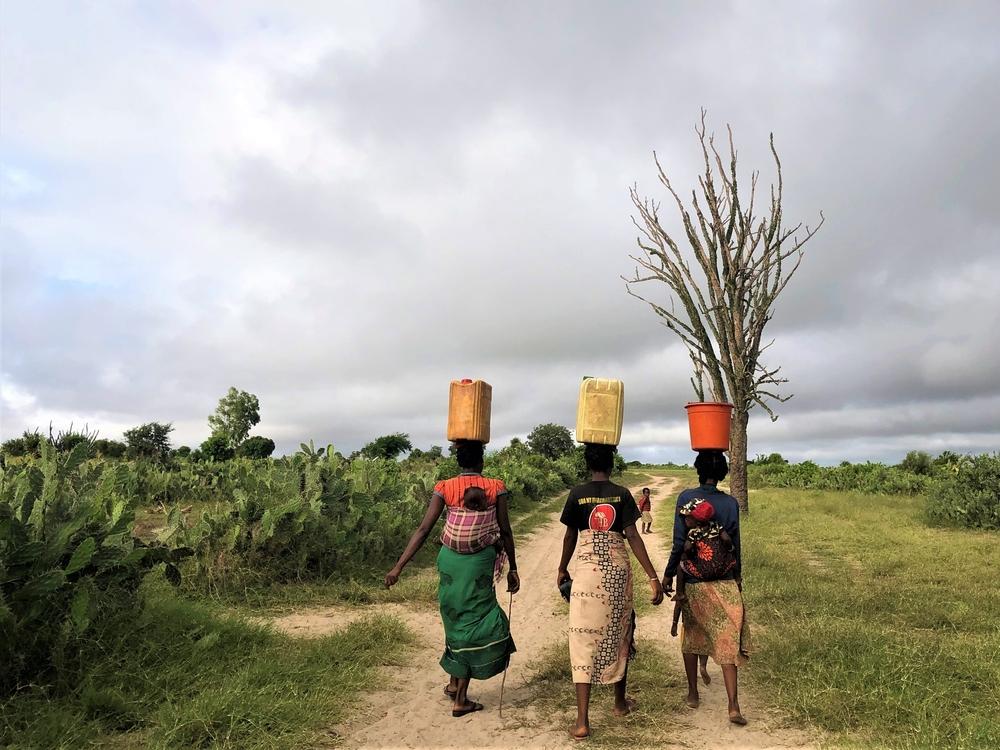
599, 516
478, 644
714, 616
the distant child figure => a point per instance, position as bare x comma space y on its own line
646, 508
708, 552
472, 527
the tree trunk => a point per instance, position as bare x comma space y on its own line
738, 458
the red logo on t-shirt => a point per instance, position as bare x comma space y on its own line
602, 518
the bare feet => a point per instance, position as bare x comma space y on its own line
673, 630
692, 700
705, 675
625, 710
579, 731
736, 717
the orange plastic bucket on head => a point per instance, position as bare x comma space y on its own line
709, 422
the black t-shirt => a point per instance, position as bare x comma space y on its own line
600, 506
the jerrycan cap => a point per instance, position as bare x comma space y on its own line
466, 380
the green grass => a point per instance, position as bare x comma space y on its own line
180, 676
652, 682
871, 625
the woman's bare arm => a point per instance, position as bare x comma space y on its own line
507, 538
639, 550
569, 544
434, 508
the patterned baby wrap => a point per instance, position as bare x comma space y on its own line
470, 531
710, 557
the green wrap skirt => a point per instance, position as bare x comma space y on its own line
477, 642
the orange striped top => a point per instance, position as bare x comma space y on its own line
452, 490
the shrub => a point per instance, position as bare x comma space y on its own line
305, 518
256, 447
216, 448
873, 478
109, 448
550, 440
970, 496
67, 559
388, 446
150, 440
917, 462
29, 444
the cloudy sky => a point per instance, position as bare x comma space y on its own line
342, 206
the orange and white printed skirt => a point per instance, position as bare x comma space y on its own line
715, 622
601, 615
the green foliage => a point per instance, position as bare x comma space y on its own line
875, 628
550, 440
183, 452
236, 414
109, 448
917, 462
150, 440
772, 459
256, 447
178, 675
29, 444
969, 495
67, 558
388, 446
305, 518
217, 448
873, 478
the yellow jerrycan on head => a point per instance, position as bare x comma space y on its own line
600, 410
469, 406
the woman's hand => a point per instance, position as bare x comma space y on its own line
562, 575
668, 584
654, 583
513, 582
392, 577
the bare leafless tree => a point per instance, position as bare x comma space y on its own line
720, 303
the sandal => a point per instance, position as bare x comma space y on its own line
471, 709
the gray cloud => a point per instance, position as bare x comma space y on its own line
342, 209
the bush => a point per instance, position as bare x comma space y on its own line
917, 462
388, 446
29, 444
216, 448
970, 496
550, 440
109, 448
256, 447
873, 478
305, 518
150, 440
67, 559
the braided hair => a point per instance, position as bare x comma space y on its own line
711, 465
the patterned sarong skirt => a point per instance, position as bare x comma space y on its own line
715, 622
601, 616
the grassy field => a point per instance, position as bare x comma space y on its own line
870, 625
182, 676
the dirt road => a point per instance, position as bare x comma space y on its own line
412, 711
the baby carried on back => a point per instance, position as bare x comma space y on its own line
472, 527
